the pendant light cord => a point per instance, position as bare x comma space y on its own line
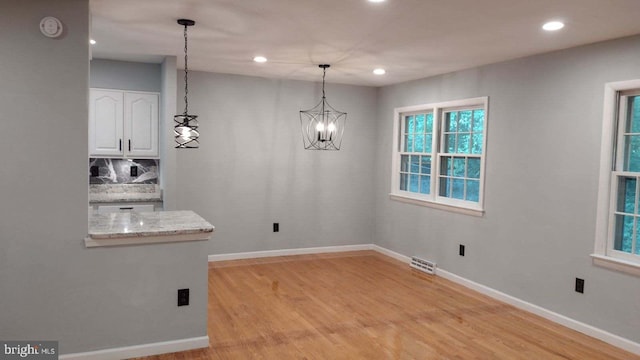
324, 73
186, 74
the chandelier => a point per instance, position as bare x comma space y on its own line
322, 126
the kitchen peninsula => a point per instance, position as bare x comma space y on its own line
132, 228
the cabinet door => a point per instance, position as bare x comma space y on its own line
141, 124
105, 123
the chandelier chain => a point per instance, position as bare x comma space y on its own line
324, 73
186, 74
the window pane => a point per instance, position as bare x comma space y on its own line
425, 165
464, 123
404, 163
429, 123
458, 167
410, 127
408, 143
450, 143
476, 144
623, 233
425, 184
636, 248
463, 144
418, 145
415, 164
404, 178
633, 115
414, 183
478, 120
451, 121
428, 139
632, 153
457, 189
473, 190
626, 194
473, 168
445, 165
445, 188
419, 123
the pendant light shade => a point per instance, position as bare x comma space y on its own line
185, 129
322, 126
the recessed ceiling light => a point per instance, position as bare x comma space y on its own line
92, 42
377, 1
553, 25
379, 71
260, 59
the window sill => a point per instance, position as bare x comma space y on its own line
612, 263
437, 205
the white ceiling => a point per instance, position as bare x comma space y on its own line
411, 39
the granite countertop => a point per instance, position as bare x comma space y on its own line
146, 227
107, 193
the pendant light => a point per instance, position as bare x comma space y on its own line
186, 128
322, 126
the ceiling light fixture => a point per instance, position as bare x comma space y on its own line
92, 42
553, 26
322, 126
380, 71
186, 128
260, 59
376, 1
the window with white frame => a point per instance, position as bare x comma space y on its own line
618, 222
439, 151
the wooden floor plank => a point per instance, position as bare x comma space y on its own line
364, 305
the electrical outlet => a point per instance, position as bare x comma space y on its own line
461, 250
276, 227
134, 171
183, 297
580, 285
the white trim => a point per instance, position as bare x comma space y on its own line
139, 240
586, 329
437, 205
603, 248
628, 267
288, 252
128, 352
391, 253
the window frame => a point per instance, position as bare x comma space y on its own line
611, 168
434, 199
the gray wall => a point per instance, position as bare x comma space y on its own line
52, 287
125, 75
252, 170
542, 167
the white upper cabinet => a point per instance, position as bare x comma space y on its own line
141, 124
106, 122
123, 123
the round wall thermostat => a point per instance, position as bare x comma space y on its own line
51, 27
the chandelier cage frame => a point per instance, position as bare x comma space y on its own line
323, 125
185, 130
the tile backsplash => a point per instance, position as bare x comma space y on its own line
123, 171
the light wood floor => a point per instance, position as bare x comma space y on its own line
363, 305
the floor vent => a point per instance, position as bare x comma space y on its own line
423, 265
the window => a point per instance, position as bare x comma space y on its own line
438, 157
618, 222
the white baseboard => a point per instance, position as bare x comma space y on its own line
141, 350
587, 329
288, 252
